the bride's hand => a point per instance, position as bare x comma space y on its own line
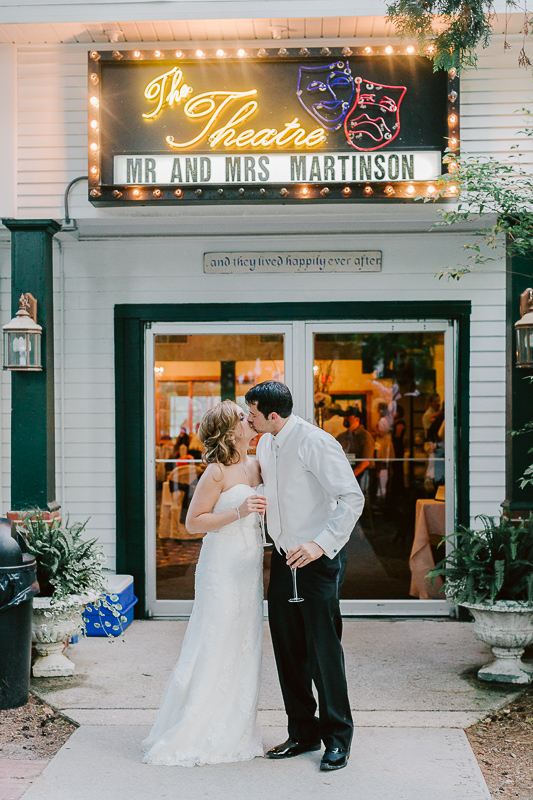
256, 503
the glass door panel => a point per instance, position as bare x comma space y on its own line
192, 372
381, 393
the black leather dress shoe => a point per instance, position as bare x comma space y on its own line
292, 748
334, 758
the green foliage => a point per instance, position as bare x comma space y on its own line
491, 564
448, 30
68, 564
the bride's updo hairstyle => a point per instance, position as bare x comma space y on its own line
216, 433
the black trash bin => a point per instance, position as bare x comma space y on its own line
18, 585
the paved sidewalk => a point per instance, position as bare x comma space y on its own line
17, 776
412, 686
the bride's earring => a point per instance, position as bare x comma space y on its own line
232, 440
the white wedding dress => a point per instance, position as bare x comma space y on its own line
208, 713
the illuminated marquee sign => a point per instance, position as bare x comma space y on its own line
297, 125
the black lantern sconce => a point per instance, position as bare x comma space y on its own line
524, 331
22, 338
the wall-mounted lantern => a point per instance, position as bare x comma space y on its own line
524, 331
22, 338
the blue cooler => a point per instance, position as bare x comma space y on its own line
101, 621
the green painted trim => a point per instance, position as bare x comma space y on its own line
519, 395
32, 394
130, 324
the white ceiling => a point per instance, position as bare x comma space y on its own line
216, 30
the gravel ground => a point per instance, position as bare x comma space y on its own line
502, 742
503, 746
33, 731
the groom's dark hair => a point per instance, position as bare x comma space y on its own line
271, 396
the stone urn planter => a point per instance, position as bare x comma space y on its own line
507, 626
53, 624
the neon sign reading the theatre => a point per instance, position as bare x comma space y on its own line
169, 90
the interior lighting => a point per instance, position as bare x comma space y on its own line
389, 50
410, 189
410, 49
200, 54
221, 53
524, 331
241, 53
136, 54
94, 101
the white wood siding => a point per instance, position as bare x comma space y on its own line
92, 276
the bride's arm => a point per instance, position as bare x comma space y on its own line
201, 519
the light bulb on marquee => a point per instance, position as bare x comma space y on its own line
452, 119
221, 53
94, 170
346, 191
136, 192
368, 50
136, 54
179, 53
368, 191
431, 190
158, 54
178, 193
410, 189
94, 101
410, 49
94, 125
93, 147
241, 53
389, 50
200, 54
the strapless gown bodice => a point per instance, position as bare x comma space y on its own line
208, 713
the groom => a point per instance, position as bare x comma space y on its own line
313, 504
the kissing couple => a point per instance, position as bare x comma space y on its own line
302, 479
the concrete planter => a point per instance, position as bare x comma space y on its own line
506, 626
52, 626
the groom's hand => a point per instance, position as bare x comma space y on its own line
303, 554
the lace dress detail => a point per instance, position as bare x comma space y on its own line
208, 714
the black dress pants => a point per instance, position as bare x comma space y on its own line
307, 646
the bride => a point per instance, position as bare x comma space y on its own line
209, 707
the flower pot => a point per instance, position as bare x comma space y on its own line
53, 624
507, 626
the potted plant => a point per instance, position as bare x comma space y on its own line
490, 572
70, 575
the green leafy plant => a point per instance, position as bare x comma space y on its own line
450, 31
68, 564
490, 564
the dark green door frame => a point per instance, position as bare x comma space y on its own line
130, 326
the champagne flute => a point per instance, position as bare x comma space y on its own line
260, 490
295, 598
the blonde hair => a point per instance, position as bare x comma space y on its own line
215, 432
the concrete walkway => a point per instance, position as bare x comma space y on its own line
412, 686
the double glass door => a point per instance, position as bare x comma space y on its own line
380, 388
